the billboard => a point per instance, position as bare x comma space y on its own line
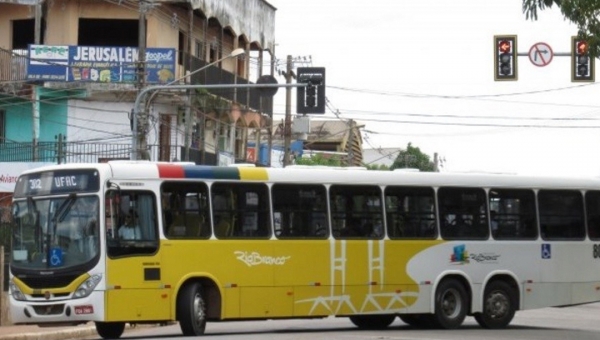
99, 64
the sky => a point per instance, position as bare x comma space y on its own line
422, 72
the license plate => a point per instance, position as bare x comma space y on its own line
88, 309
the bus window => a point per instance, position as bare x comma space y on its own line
592, 207
410, 213
300, 211
356, 211
240, 210
561, 214
185, 212
463, 213
134, 213
512, 214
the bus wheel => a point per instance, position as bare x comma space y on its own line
499, 306
450, 304
110, 330
372, 321
191, 310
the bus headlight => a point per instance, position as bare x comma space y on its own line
87, 287
16, 293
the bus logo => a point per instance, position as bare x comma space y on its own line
254, 259
546, 251
460, 255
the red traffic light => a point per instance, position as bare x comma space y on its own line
504, 46
582, 47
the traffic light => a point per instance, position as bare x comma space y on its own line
582, 65
311, 97
505, 62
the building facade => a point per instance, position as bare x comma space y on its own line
85, 113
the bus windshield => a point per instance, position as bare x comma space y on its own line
55, 233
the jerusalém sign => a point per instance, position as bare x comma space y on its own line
103, 64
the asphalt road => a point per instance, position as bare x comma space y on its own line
576, 323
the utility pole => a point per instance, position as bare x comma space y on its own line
351, 143
35, 92
142, 124
189, 121
287, 128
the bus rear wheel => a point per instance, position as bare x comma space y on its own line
372, 321
450, 304
191, 310
110, 330
499, 306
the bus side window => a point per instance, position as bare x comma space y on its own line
357, 211
512, 214
592, 204
410, 212
241, 210
463, 213
300, 211
185, 210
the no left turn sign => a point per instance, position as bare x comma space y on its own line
540, 54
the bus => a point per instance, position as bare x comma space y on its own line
249, 243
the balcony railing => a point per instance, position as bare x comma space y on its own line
213, 75
13, 69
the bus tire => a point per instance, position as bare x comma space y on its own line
110, 330
499, 306
372, 321
451, 304
191, 310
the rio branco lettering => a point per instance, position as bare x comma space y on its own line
255, 259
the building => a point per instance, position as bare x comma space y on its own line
70, 75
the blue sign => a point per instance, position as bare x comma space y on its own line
546, 251
56, 257
98, 64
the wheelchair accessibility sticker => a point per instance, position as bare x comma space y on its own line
56, 257
546, 251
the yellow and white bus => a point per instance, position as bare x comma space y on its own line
141, 242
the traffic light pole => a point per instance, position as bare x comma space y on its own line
137, 106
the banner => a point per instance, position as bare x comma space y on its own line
100, 64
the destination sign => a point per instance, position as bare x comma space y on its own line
57, 182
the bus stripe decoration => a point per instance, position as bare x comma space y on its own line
208, 172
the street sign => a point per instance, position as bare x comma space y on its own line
540, 54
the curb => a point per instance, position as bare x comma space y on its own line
53, 335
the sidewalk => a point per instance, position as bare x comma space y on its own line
31, 332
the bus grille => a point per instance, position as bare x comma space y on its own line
49, 309
55, 281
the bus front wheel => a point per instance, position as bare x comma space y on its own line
450, 304
110, 330
499, 306
191, 310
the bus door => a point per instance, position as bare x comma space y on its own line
135, 287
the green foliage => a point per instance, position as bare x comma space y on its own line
583, 13
320, 159
377, 167
413, 158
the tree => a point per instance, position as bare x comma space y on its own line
413, 158
320, 159
583, 13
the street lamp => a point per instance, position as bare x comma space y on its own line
234, 53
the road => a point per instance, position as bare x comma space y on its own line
573, 323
